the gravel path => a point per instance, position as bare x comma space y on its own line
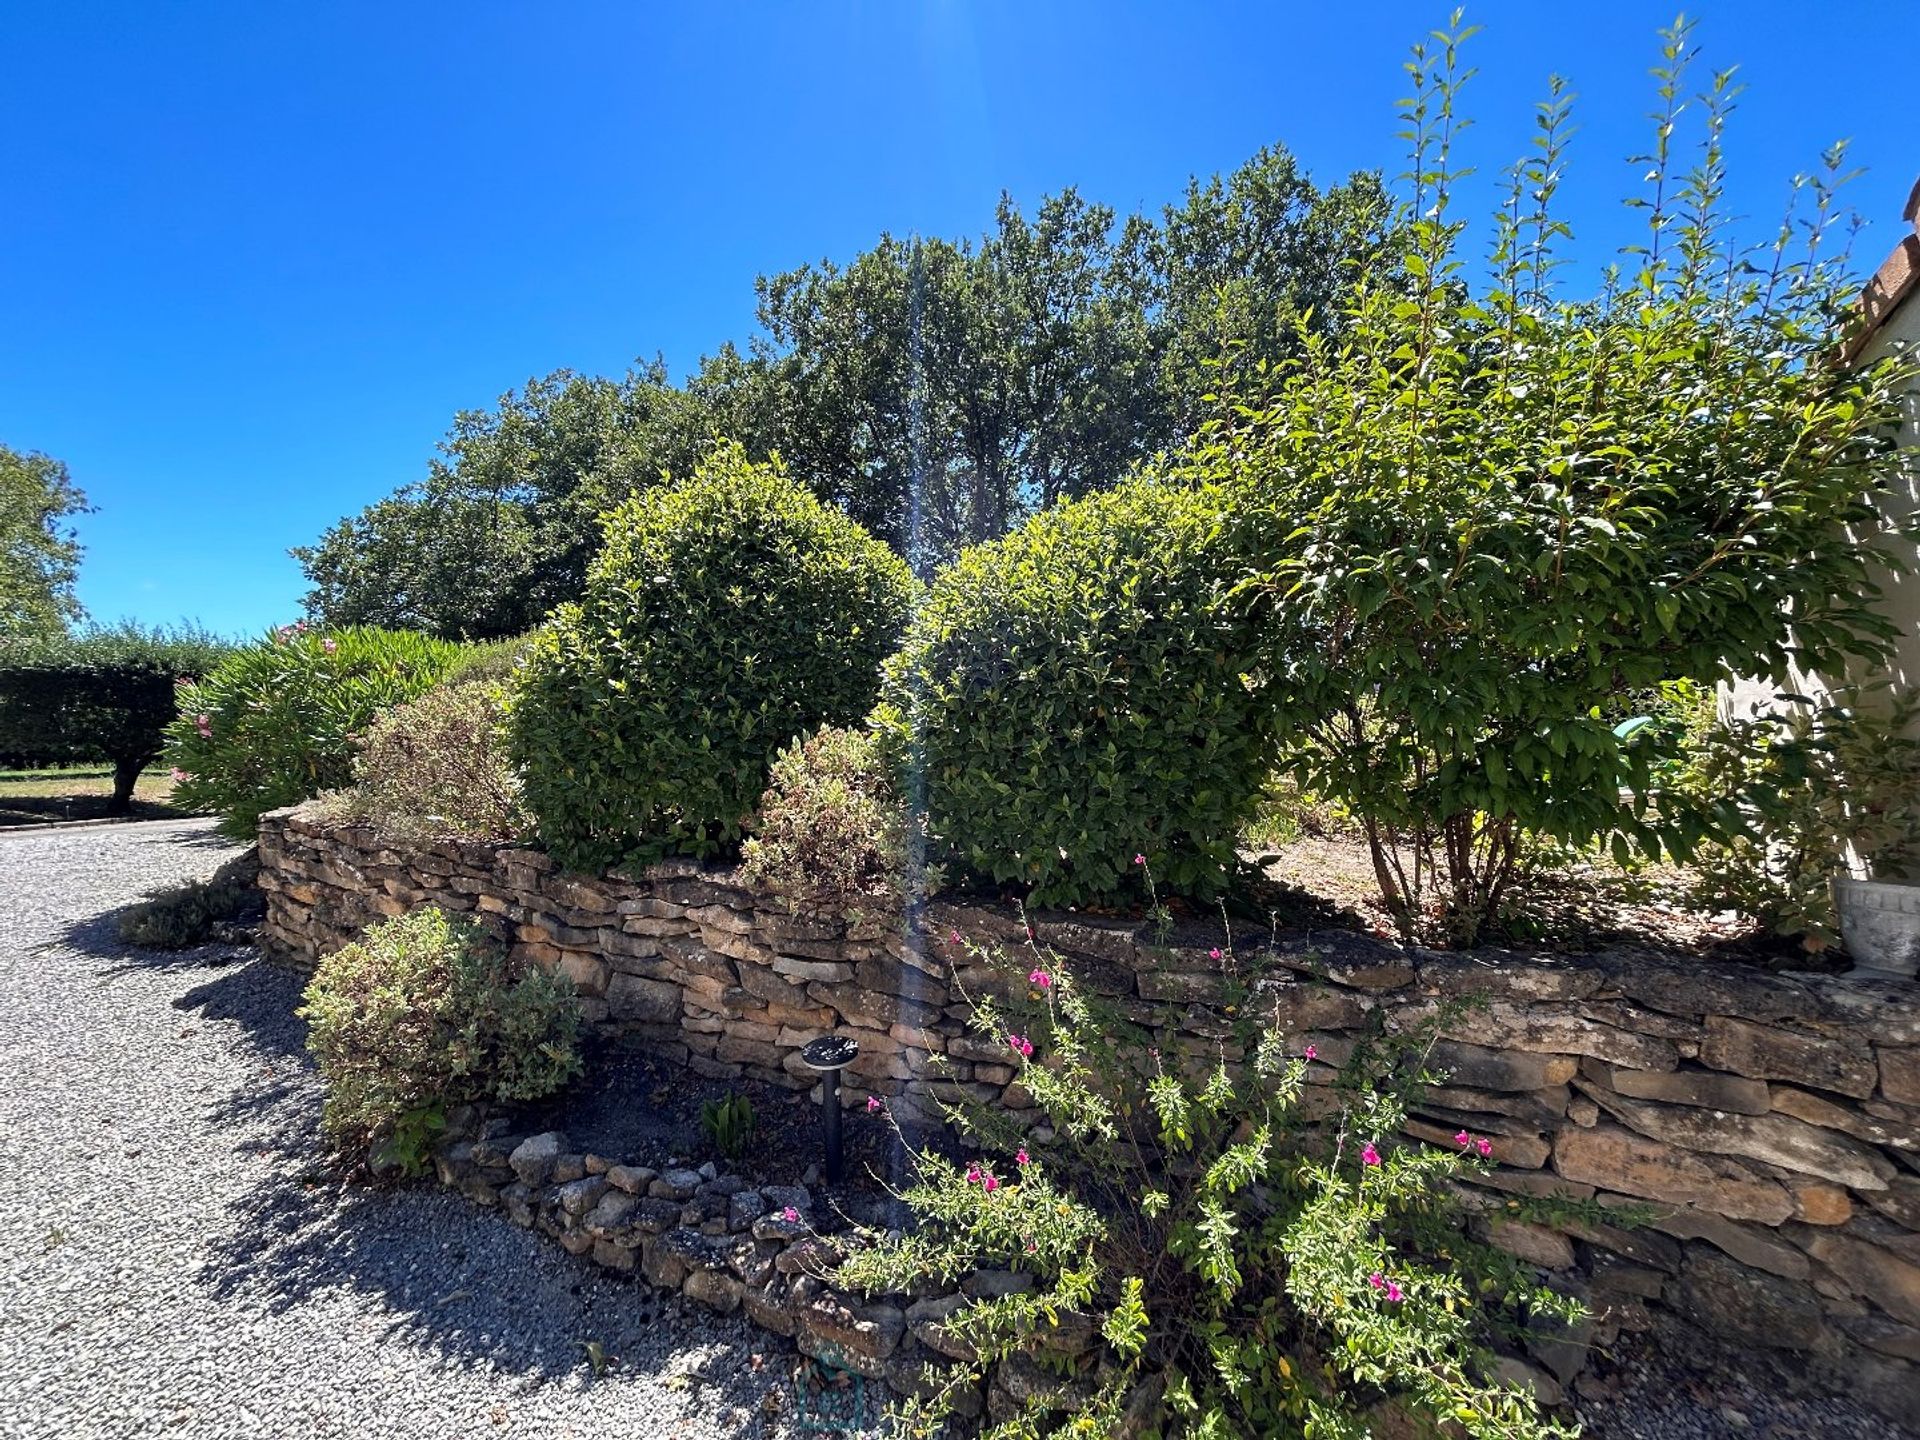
175, 1259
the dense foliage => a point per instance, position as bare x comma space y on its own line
275, 723
38, 552
104, 693
937, 390
1082, 691
427, 1011
726, 616
832, 832
1259, 1255
1816, 791
437, 765
1486, 512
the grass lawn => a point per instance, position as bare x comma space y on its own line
37, 797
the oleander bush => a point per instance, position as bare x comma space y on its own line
1084, 690
1245, 1243
726, 616
832, 833
437, 765
275, 722
426, 1011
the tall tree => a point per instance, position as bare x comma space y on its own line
38, 552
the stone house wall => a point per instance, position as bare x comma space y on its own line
1771, 1122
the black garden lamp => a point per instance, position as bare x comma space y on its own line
830, 1054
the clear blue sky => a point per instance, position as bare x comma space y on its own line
254, 256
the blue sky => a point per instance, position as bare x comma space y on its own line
253, 257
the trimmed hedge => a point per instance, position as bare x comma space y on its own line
1083, 691
103, 694
275, 724
726, 616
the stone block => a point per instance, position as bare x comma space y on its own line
1618, 1159
1899, 1074
1482, 1068
654, 1002
1774, 1139
1765, 1052
1704, 1089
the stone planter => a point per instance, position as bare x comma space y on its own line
1880, 922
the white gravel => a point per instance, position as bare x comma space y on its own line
176, 1260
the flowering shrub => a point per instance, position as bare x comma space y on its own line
1258, 1255
274, 724
832, 832
1081, 690
726, 616
1491, 505
438, 765
425, 1011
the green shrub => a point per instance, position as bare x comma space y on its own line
427, 1011
726, 616
1812, 792
194, 913
490, 662
1079, 692
832, 831
1256, 1255
1493, 508
437, 765
106, 693
274, 724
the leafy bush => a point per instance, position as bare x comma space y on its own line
274, 724
1813, 792
437, 765
832, 831
1247, 1271
726, 616
426, 1011
490, 662
194, 913
105, 693
1079, 692
1489, 511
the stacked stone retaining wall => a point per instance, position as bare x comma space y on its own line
1771, 1123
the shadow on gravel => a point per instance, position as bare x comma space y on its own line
429, 1268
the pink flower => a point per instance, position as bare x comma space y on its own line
1214, 954
178, 775
1139, 859
1376, 1280
1312, 1052
953, 937
973, 1175
204, 724
1020, 1157
790, 1215
329, 645
1029, 932
1463, 1139
1394, 1293
1485, 1148
989, 1184
1040, 979
301, 626
873, 1103
1370, 1156
1020, 1045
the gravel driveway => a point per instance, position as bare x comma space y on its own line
175, 1259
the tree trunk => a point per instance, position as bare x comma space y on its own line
126, 774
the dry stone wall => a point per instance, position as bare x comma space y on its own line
1770, 1123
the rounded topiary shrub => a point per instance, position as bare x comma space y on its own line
726, 616
832, 832
275, 722
426, 1011
1079, 693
